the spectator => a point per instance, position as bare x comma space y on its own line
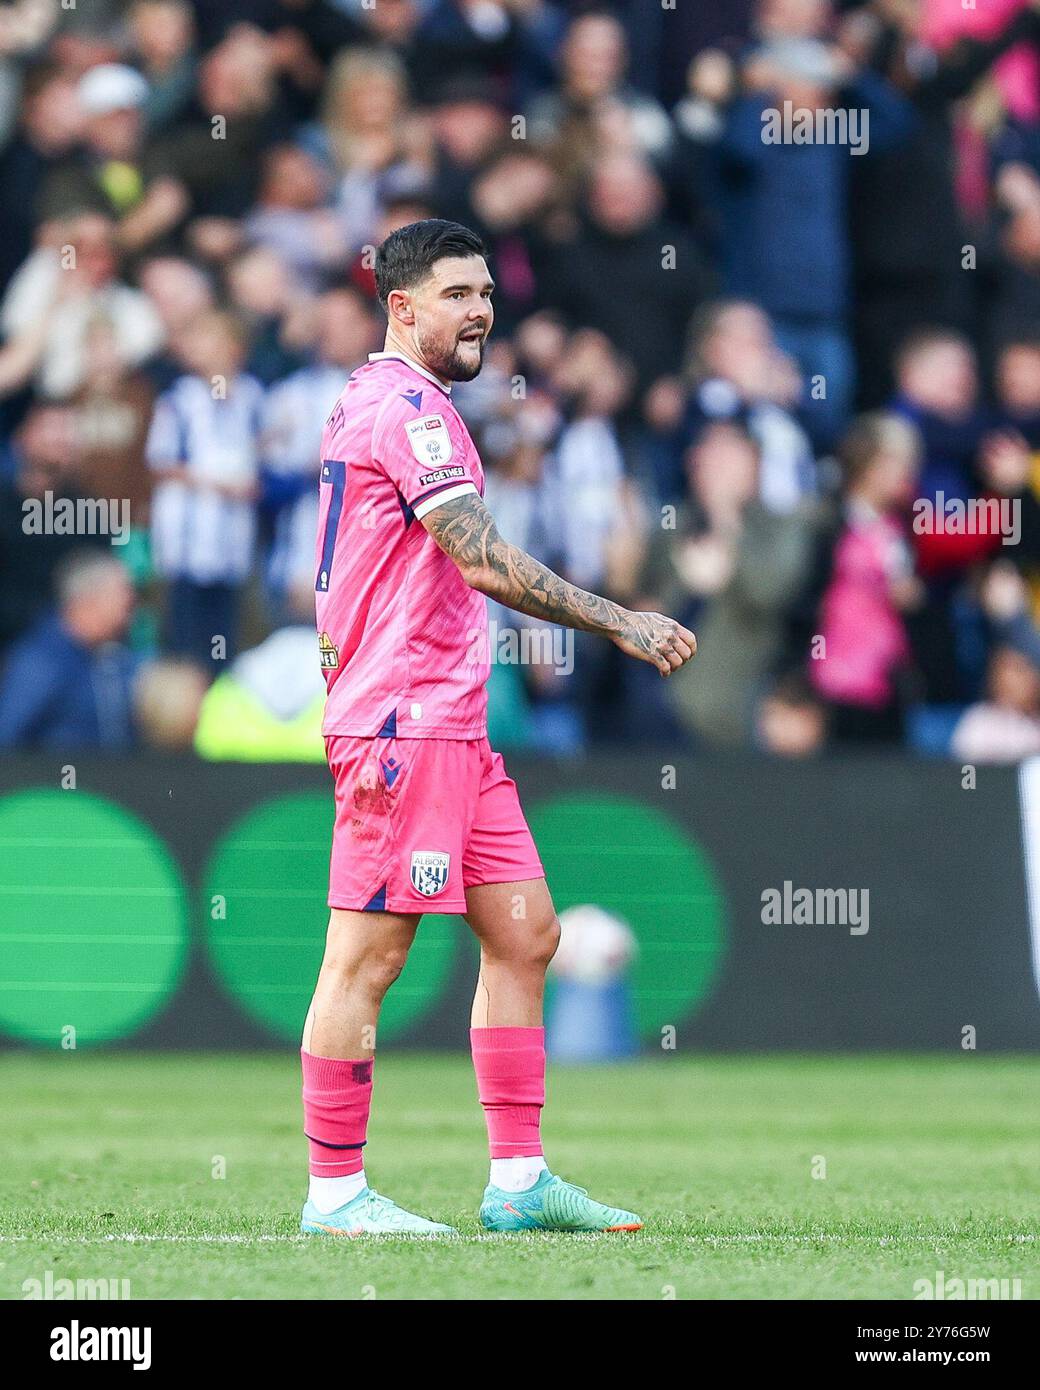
82, 250
511, 201
1018, 410
700, 120
48, 129
113, 411
67, 684
470, 124
112, 175
864, 653
627, 254
1005, 727
786, 206
600, 524
509, 45
593, 97
938, 391
179, 291
515, 453
1004, 601
213, 154
203, 450
163, 36
293, 219
370, 138
268, 707
1016, 306
791, 721
585, 480
1018, 386
45, 459
266, 299
734, 569
168, 696
24, 25
738, 373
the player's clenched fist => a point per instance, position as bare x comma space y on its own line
652, 637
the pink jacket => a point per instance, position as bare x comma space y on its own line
865, 639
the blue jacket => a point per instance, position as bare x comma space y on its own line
785, 207
57, 694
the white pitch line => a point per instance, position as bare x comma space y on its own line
299, 1238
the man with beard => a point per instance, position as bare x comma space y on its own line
426, 817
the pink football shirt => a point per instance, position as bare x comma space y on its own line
402, 637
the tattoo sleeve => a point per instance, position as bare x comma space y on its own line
466, 530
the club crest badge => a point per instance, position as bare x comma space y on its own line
429, 438
429, 871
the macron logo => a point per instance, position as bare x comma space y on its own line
413, 398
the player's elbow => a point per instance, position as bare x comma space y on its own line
481, 576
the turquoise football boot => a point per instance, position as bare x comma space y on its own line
369, 1214
551, 1205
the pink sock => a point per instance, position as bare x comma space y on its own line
510, 1067
336, 1100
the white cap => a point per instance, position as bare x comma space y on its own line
111, 87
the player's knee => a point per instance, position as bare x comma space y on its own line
374, 968
379, 969
553, 937
543, 941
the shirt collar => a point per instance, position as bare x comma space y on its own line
402, 357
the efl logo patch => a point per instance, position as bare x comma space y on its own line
429, 871
430, 440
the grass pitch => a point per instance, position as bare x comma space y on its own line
185, 1175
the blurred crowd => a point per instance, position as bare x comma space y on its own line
726, 371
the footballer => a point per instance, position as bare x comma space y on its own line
426, 817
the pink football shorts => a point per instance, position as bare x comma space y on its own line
420, 820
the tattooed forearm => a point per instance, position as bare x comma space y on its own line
466, 530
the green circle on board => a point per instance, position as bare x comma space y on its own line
93, 919
269, 878
636, 863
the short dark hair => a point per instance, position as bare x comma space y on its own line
408, 255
